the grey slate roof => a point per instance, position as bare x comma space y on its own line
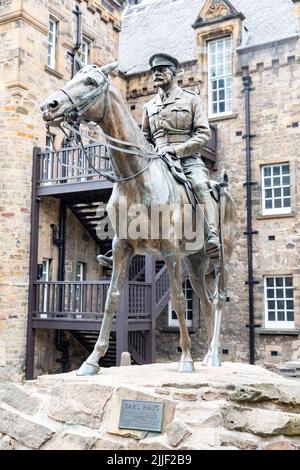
165, 26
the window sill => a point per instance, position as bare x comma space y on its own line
279, 332
222, 118
275, 216
175, 329
54, 72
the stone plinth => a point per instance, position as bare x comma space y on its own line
236, 406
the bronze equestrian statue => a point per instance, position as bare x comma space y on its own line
142, 177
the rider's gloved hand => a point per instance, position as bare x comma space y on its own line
168, 149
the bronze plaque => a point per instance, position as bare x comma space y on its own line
141, 415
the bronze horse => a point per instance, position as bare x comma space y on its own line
144, 179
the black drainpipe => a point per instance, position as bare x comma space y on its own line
249, 183
78, 14
61, 343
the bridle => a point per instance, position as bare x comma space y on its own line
73, 117
83, 103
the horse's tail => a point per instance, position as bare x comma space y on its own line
228, 224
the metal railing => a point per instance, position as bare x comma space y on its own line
70, 165
86, 300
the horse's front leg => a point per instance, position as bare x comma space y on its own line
173, 263
212, 358
121, 258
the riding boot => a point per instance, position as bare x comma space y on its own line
212, 246
106, 261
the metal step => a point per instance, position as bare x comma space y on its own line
87, 339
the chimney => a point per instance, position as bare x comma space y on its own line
297, 14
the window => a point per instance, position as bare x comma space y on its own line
276, 189
85, 48
52, 31
45, 292
220, 76
48, 159
188, 292
80, 277
279, 302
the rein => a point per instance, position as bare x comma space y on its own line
107, 174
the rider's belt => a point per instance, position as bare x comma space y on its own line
171, 139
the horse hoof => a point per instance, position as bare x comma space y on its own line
88, 369
211, 361
186, 366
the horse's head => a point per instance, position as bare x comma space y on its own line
77, 99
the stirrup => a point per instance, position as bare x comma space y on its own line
213, 248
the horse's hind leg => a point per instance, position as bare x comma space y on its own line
121, 257
173, 262
205, 287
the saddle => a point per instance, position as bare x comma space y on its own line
177, 171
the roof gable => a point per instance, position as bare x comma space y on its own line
214, 11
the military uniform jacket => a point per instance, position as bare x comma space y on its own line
179, 121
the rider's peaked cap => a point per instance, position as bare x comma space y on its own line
160, 59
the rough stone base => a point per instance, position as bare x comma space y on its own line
236, 406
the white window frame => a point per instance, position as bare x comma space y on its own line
221, 60
172, 322
52, 37
48, 166
278, 324
45, 278
273, 187
85, 54
80, 277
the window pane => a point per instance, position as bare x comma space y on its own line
290, 305
286, 180
276, 170
289, 293
285, 169
278, 203
279, 293
212, 46
271, 304
277, 192
222, 95
268, 182
276, 181
267, 171
268, 193
215, 108
214, 85
222, 107
290, 316
270, 293
269, 204
280, 304
287, 191
221, 83
287, 202
288, 281
270, 281
280, 315
279, 281
271, 316
215, 96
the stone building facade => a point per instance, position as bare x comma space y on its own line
26, 80
269, 54
267, 51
